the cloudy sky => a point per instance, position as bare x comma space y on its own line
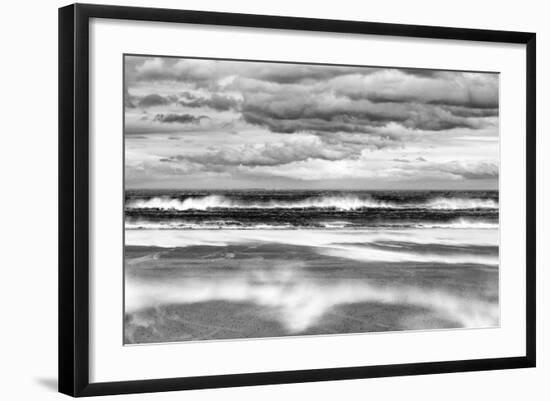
193, 123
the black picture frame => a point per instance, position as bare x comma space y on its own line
74, 204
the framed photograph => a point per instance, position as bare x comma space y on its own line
250, 199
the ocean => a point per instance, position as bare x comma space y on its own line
213, 265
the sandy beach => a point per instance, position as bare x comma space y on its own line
189, 285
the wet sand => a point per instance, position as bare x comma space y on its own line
254, 289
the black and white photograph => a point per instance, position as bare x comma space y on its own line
269, 199
242, 200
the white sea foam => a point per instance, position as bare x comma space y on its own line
460, 223
207, 225
349, 244
335, 224
313, 237
344, 202
370, 254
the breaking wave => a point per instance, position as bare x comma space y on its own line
347, 202
461, 203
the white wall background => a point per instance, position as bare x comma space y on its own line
28, 201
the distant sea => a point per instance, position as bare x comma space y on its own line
207, 265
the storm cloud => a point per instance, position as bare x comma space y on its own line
153, 100
178, 118
368, 125
215, 101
